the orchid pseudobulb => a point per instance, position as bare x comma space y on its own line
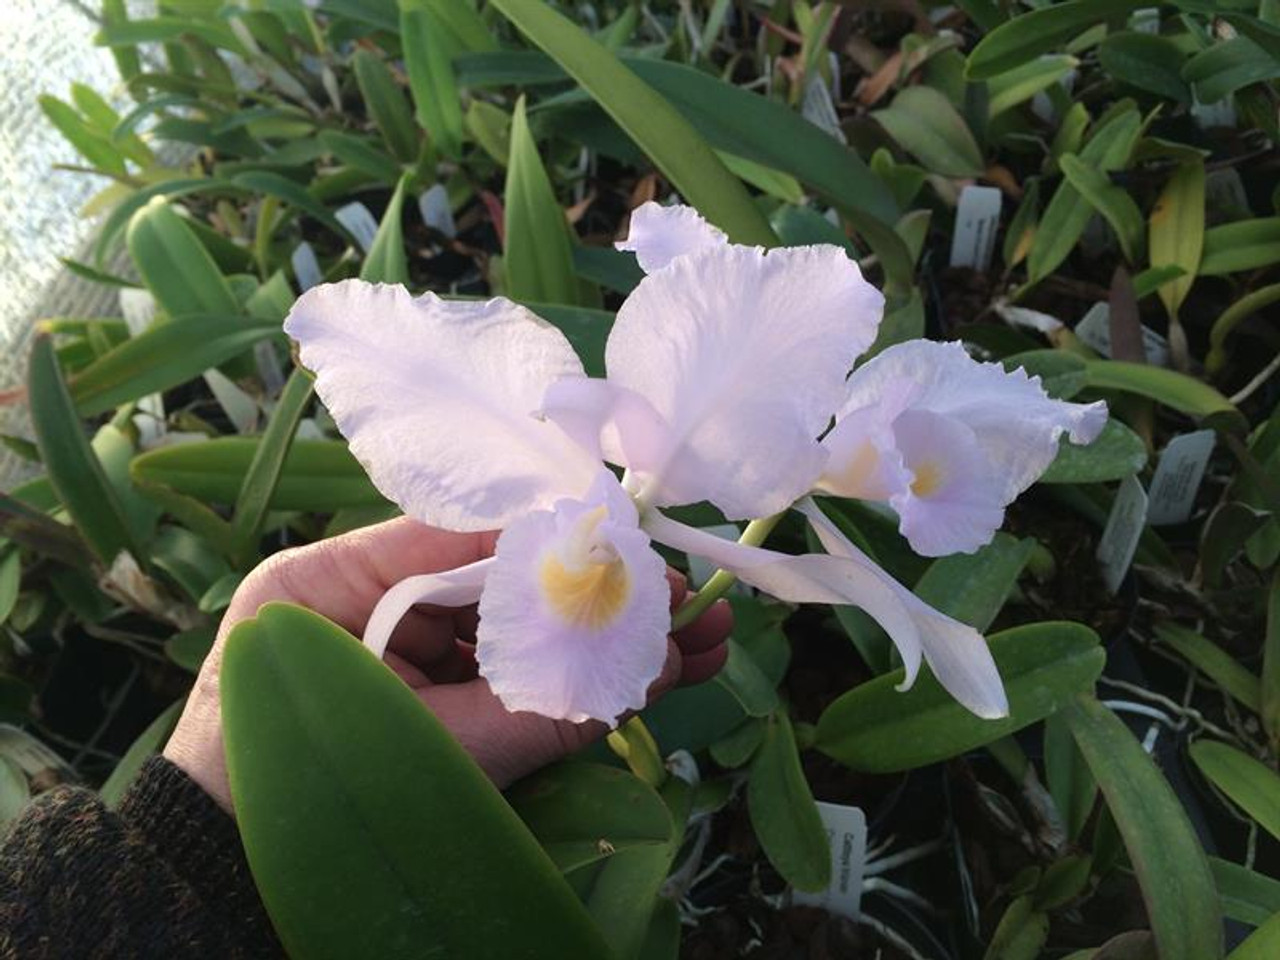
725, 366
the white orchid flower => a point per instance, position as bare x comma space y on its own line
724, 367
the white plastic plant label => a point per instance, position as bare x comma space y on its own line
1095, 330
847, 835
356, 217
1120, 537
1221, 113
1178, 475
306, 268
1028, 319
1145, 20
819, 110
977, 218
436, 212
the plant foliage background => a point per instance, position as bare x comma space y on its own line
1131, 800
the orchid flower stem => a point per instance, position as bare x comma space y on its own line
722, 580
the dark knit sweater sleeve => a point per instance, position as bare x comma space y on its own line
164, 876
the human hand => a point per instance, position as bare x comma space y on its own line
432, 649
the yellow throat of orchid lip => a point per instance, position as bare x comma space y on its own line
586, 583
928, 477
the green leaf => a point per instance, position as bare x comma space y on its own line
1175, 390
10, 582
538, 251
175, 266
1067, 775
1254, 787
1008, 89
783, 813
584, 812
1113, 202
926, 125
339, 771
972, 587
1218, 665
1262, 944
74, 470
1166, 855
1271, 665
90, 144
189, 559
1017, 41
264, 472
386, 104
358, 153
876, 729
15, 792
1177, 231
148, 743
318, 475
1230, 526
1146, 61
1225, 67
1243, 245
386, 261
1232, 317
1068, 212
1245, 896
189, 648
675, 147
1117, 453
427, 55
746, 682
162, 357
1021, 933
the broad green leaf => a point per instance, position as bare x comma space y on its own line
1019, 40
766, 179
1230, 526
1068, 213
162, 357
130, 33
427, 55
582, 812
1218, 665
1146, 61
926, 125
1177, 231
877, 729
74, 470
1243, 245
319, 475
10, 581
264, 472
1008, 89
1231, 318
1070, 781
662, 942
1264, 32
149, 742
538, 251
339, 771
115, 13
1175, 390
1021, 933
189, 559
1117, 453
740, 744
189, 648
359, 153
903, 320
1062, 374
742, 677
15, 792
586, 328
386, 261
615, 269
386, 105
1222, 69
667, 138
972, 587
783, 813
175, 266
1245, 896
1262, 944
292, 193
1113, 202
1271, 665
1254, 787
1166, 855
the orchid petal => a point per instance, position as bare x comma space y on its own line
952, 503
864, 461
743, 353
1016, 424
956, 653
451, 588
812, 578
576, 610
436, 399
657, 235
602, 416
